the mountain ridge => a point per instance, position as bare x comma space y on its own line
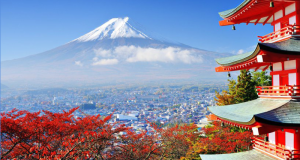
101, 57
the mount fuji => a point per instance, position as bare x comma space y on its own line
115, 52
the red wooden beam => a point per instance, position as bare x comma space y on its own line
267, 19
259, 10
226, 23
266, 68
257, 21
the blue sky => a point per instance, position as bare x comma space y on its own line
33, 26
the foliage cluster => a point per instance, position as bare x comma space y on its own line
243, 89
46, 135
49, 135
219, 139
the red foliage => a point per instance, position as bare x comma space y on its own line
219, 140
56, 135
177, 140
46, 135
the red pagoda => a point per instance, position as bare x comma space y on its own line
276, 113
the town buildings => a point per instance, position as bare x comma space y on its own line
131, 106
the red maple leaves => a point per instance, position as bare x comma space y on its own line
49, 135
46, 135
219, 140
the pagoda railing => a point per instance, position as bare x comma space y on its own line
271, 91
275, 150
281, 34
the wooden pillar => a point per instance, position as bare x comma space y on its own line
297, 71
297, 27
297, 12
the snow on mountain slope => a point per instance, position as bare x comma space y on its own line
112, 53
114, 28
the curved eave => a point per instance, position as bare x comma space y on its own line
251, 122
246, 113
286, 115
232, 60
246, 155
287, 47
261, 120
290, 46
230, 12
253, 11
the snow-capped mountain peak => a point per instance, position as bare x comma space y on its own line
114, 28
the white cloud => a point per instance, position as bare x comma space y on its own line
241, 51
102, 52
105, 62
245, 50
78, 63
138, 54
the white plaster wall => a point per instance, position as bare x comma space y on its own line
292, 20
277, 66
272, 138
289, 65
278, 14
289, 140
292, 79
289, 9
276, 80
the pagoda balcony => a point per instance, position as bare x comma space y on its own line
281, 35
276, 151
288, 91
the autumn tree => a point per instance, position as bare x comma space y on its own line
217, 139
242, 90
142, 145
176, 140
224, 98
47, 135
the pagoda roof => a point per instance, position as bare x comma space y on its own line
290, 46
247, 155
230, 12
253, 11
287, 114
245, 113
227, 61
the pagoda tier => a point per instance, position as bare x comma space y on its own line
262, 57
277, 112
278, 119
284, 60
283, 15
263, 12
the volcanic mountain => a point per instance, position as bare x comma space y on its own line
112, 53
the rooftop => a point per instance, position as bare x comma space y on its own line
290, 47
253, 11
248, 155
244, 113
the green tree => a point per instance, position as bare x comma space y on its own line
242, 90
245, 87
261, 78
232, 87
